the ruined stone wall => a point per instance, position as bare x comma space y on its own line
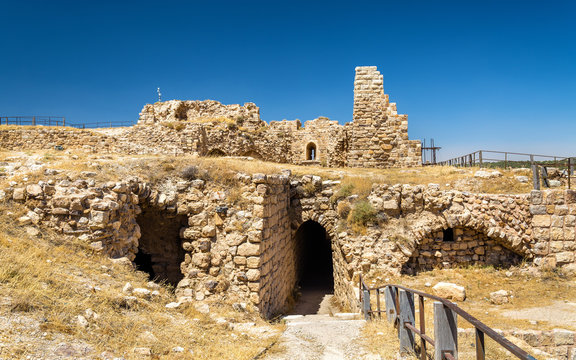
247, 116
553, 227
378, 136
277, 258
328, 139
39, 138
467, 247
238, 243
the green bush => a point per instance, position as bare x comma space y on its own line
362, 213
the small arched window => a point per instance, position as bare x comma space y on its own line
311, 151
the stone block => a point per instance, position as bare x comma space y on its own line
541, 221
565, 257
19, 194
248, 249
538, 209
563, 337
557, 221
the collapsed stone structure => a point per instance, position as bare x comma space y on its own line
377, 137
245, 242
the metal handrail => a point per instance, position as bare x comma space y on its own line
59, 121
480, 327
478, 157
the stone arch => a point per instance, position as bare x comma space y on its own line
311, 151
216, 153
474, 242
253, 154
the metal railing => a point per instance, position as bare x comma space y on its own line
504, 159
59, 121
399, 309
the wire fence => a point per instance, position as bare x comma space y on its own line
59, 121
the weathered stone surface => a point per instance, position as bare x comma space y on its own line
500, 297
450, 291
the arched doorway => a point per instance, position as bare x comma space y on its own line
314, 267
311, 151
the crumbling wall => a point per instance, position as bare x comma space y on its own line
247, 115
40, 138
378, 136
239, 242
467, 247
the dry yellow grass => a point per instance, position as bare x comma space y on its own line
528, 292
154, 167
53, 280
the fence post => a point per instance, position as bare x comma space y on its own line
569, 173
535, 177
480, 346
480, 157
33, 120
406, 316
445, 331
63, 121
545, 176
390, 303
366, 303
505, 160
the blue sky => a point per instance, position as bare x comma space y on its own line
497, 75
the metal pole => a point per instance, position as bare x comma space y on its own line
569, 173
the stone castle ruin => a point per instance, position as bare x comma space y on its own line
258, 241
377, 137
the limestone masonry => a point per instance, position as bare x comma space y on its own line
377, 137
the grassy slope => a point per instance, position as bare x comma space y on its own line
47, 281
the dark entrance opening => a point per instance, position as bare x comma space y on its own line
314, 267
311, 151
160, 251
448, 234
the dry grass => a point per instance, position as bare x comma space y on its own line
528, 292
380, 337
358, 181
53, 280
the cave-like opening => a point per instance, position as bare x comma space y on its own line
160, 250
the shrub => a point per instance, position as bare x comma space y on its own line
343, 209
362, 213
344, 191
190, 173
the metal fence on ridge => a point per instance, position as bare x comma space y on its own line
59, 121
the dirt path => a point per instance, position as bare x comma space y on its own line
319, 337
321, 334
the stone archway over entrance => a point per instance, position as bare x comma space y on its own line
314, 267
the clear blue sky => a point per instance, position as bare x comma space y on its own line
471, 74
